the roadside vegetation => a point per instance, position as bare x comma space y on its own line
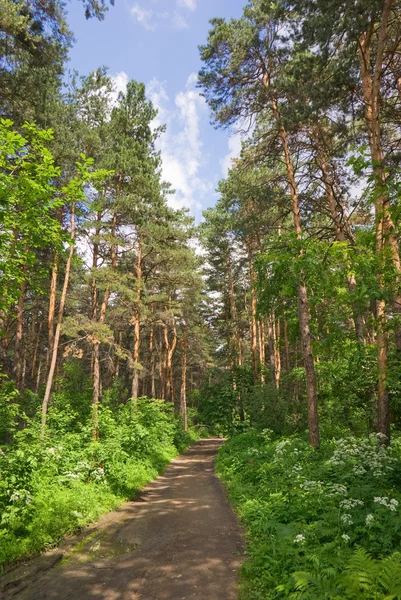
52, 487
320, 523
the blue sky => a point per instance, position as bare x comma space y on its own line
156, 41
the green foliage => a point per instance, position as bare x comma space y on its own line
321, 523
47, 490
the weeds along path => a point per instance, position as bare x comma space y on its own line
179, 540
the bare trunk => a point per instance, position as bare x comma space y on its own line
52, 309
97, 380
233, 309
170, 349
152, 363
162, 369
261, 343
254, 332
277, 362
37, 384
385, 234
287, 348
56, 341
303, 304
183, 396
137, 324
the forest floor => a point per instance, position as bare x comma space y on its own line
179, 540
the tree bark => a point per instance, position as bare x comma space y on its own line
52, 309
385, 233
303, 303
183, 395
137, 324
97, 381
152, 362
170, 349
254, 332
56, 341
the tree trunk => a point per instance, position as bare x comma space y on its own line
385, 234
19, 345
254, 332
277, 362
56, 341
286, 347
183, 396
170, 349
52, 309
152, 362
137, 324
233, 310
97, 381
303, 304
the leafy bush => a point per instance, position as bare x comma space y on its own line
315, 517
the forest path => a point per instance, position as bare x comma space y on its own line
179, 540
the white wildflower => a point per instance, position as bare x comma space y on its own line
345, 537
369, 519
391, 504
299, 539
346, 518
350, 503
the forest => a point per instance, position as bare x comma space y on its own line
128, 330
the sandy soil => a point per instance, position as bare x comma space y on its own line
179, 540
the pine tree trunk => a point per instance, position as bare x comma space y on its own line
56, 341
385, 232
254, 332
183, 395
303, 304
233, 310
152, 362
286, 348
170, 349
137, 325
97, 380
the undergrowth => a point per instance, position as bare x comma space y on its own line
51, 488
321, 524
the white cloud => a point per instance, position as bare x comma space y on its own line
120, 85
181, 145
150, 19
190, 4
143, 17
234, 147
179, 21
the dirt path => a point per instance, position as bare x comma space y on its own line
178, 541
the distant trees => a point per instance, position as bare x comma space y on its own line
95, 265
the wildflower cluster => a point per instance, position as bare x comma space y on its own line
361, 456
20, 496
390, 503
309, 508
